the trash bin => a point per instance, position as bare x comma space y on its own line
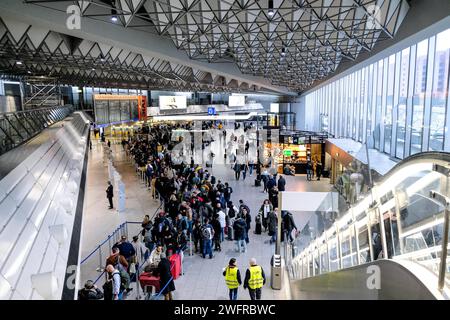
277, 272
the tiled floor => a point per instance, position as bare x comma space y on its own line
203, 277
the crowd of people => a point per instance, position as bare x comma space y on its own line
195, 207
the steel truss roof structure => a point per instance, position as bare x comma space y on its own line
292, 43
75, 61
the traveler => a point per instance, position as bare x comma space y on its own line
248, 221
309, 172
239, 227
273, 196
117, 260
281, 183
207, 237
222, 219
227, 192
318, 169
126, 249
273, 225
140, 251
232, 278
264, 211
217, 232
254, 280
271, 182
115, 284
153, 260
90, 292
289, 225
109, 194
165, 277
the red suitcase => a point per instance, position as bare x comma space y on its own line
175, 264
146, 279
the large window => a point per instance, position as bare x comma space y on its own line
399, 101
420, 82
389, 104
401, 107
439, 91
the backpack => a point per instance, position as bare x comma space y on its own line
232, 212
206, 233
123, 279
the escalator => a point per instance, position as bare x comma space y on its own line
392, 244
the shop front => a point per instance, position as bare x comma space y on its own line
349, 175
293, 150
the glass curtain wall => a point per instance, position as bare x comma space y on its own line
397, 104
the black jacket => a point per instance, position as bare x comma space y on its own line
109, 191
289, 223
90, 294
281, 184
165, 276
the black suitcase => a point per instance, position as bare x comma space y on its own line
230, 233
257, 183
258, 228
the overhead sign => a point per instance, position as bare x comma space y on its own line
172, 102
274, 107
236, 101
211, 111
287, 152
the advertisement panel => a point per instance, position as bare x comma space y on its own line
172, 102
236, 101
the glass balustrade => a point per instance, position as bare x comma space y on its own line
400, 218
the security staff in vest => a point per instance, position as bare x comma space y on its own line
109, 194
254, 280
232, 278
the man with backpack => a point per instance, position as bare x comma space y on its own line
227, 192
239, 227
207, 237
117, 281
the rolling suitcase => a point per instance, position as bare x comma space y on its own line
257, 183
230, 233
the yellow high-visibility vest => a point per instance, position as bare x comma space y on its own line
231, 278
256, 279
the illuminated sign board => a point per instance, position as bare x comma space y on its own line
172, 102
236, 101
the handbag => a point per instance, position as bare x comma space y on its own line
133, 268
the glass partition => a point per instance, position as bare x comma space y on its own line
401, 218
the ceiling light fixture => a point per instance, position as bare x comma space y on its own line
114, 15
271, 12
19, 63
283, 52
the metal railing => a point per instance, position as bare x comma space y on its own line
19, 127
404, 217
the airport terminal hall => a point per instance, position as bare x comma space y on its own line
173, 151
